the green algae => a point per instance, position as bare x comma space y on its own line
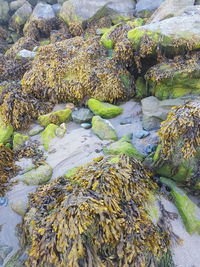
56, 117
48, 134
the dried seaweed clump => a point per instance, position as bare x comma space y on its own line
96, 218
181, 127
12, 69
7, 168
19, 108
75, 69
75, 28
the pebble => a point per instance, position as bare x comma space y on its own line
70, 106
126, 121
141, 134
86, 125
3, 201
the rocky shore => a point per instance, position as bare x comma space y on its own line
99, 133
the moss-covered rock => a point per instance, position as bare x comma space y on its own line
123, 146
189, 211
141, 88
105, 110
103, 129
6, 132
19, 140
175, 78
48, 134
38, 176
56, 117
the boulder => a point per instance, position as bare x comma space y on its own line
19, 206
22, 14
175, 78
82, 115
36, 130
4, 9
38, 176
105, 110
6, 131
123, 146
103, 129
144, 8
56, 117
14, 5
174, 35
48, 134
80, 10
155, 111
42, 11
19, 140
189, 211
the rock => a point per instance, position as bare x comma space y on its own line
56, 117
151, 148
38, 176
86, 125
79, 10
5, 132
141, 134
4, 252
3, 201
56, 8
19, 206
36, 130
189, 211
14, 5
70, 106
155, 111
82, 115
4, 9
60, 132
125, 121
144, 8
48, 134
123, 146
103, 129
105, 110
141, 88
19, 140
25, 165
21, 16
175, 78
42, 11
182, 31
25, 54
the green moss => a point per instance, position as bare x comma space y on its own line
19, 140
114, 160
188, 210
6, 132
105, 39
103, 129
137, 22
105, 110
56, 117
44, 42
123, 146
152, 208
141, 88
71, 172
48, 134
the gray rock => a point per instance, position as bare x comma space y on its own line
60, 132
3, 201
19, 206
4, 251
22, 15
4, 9
82, 115
142, 134
43, 11
56, 8
38, 176
145, 8
86, 125
14, 5
155, 111
73, 10
36, 130
126, 121
26, 54
103, 129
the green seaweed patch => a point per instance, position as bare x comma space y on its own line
48, 134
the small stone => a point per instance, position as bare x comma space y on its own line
151, 148
60, 132
38, 176
63, 126
36, 130
3, 201
82, 115
19, 206
24, 53
141, 134
86, 125
70, 106
125, 121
